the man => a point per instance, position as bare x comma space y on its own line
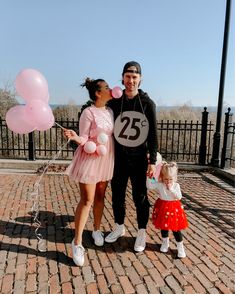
135, 134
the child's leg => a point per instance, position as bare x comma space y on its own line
164, 233
165, 241
178, 236
180, 246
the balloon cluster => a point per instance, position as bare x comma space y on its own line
36, 114
91, 147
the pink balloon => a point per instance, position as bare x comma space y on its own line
159, 158
101, 150
15, 119
90, 147
31, 84
116, 92
47, 125
38, 112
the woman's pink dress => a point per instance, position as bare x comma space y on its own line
93, 168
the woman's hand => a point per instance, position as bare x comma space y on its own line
72, 135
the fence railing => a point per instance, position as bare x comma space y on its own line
183, 141
177, 140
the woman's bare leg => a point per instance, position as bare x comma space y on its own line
98, 206
83, 209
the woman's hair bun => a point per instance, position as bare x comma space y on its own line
87, 83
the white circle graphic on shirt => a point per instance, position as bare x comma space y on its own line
131, 128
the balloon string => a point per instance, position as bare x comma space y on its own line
60, 126
35, 195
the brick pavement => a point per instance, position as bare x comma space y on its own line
115, 268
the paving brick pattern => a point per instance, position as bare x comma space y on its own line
114, 268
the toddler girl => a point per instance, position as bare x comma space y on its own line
168, 212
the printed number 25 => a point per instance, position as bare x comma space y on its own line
133, 126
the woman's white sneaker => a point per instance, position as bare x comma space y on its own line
98, 237
78, 254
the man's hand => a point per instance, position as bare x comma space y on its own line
151, 170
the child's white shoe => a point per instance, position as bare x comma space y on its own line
181, 252
165, 245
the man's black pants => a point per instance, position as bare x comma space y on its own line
135, 168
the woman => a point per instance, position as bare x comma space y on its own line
93, 162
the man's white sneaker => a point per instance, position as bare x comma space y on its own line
78, 254
98, 237
114, 235
181, 252
165, 245
140, 241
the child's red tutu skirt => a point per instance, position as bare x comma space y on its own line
169, 215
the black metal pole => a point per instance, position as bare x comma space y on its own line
227, 148
203, 146
216, 138
31, 146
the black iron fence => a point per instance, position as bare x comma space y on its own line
183, 141
36, 145
186, 141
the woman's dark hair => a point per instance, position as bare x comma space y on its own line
92, 86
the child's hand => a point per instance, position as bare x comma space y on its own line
168, 183
169, 186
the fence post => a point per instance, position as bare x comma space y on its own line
31, 146
202, 148
226, 150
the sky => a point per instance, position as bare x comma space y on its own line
178, 44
